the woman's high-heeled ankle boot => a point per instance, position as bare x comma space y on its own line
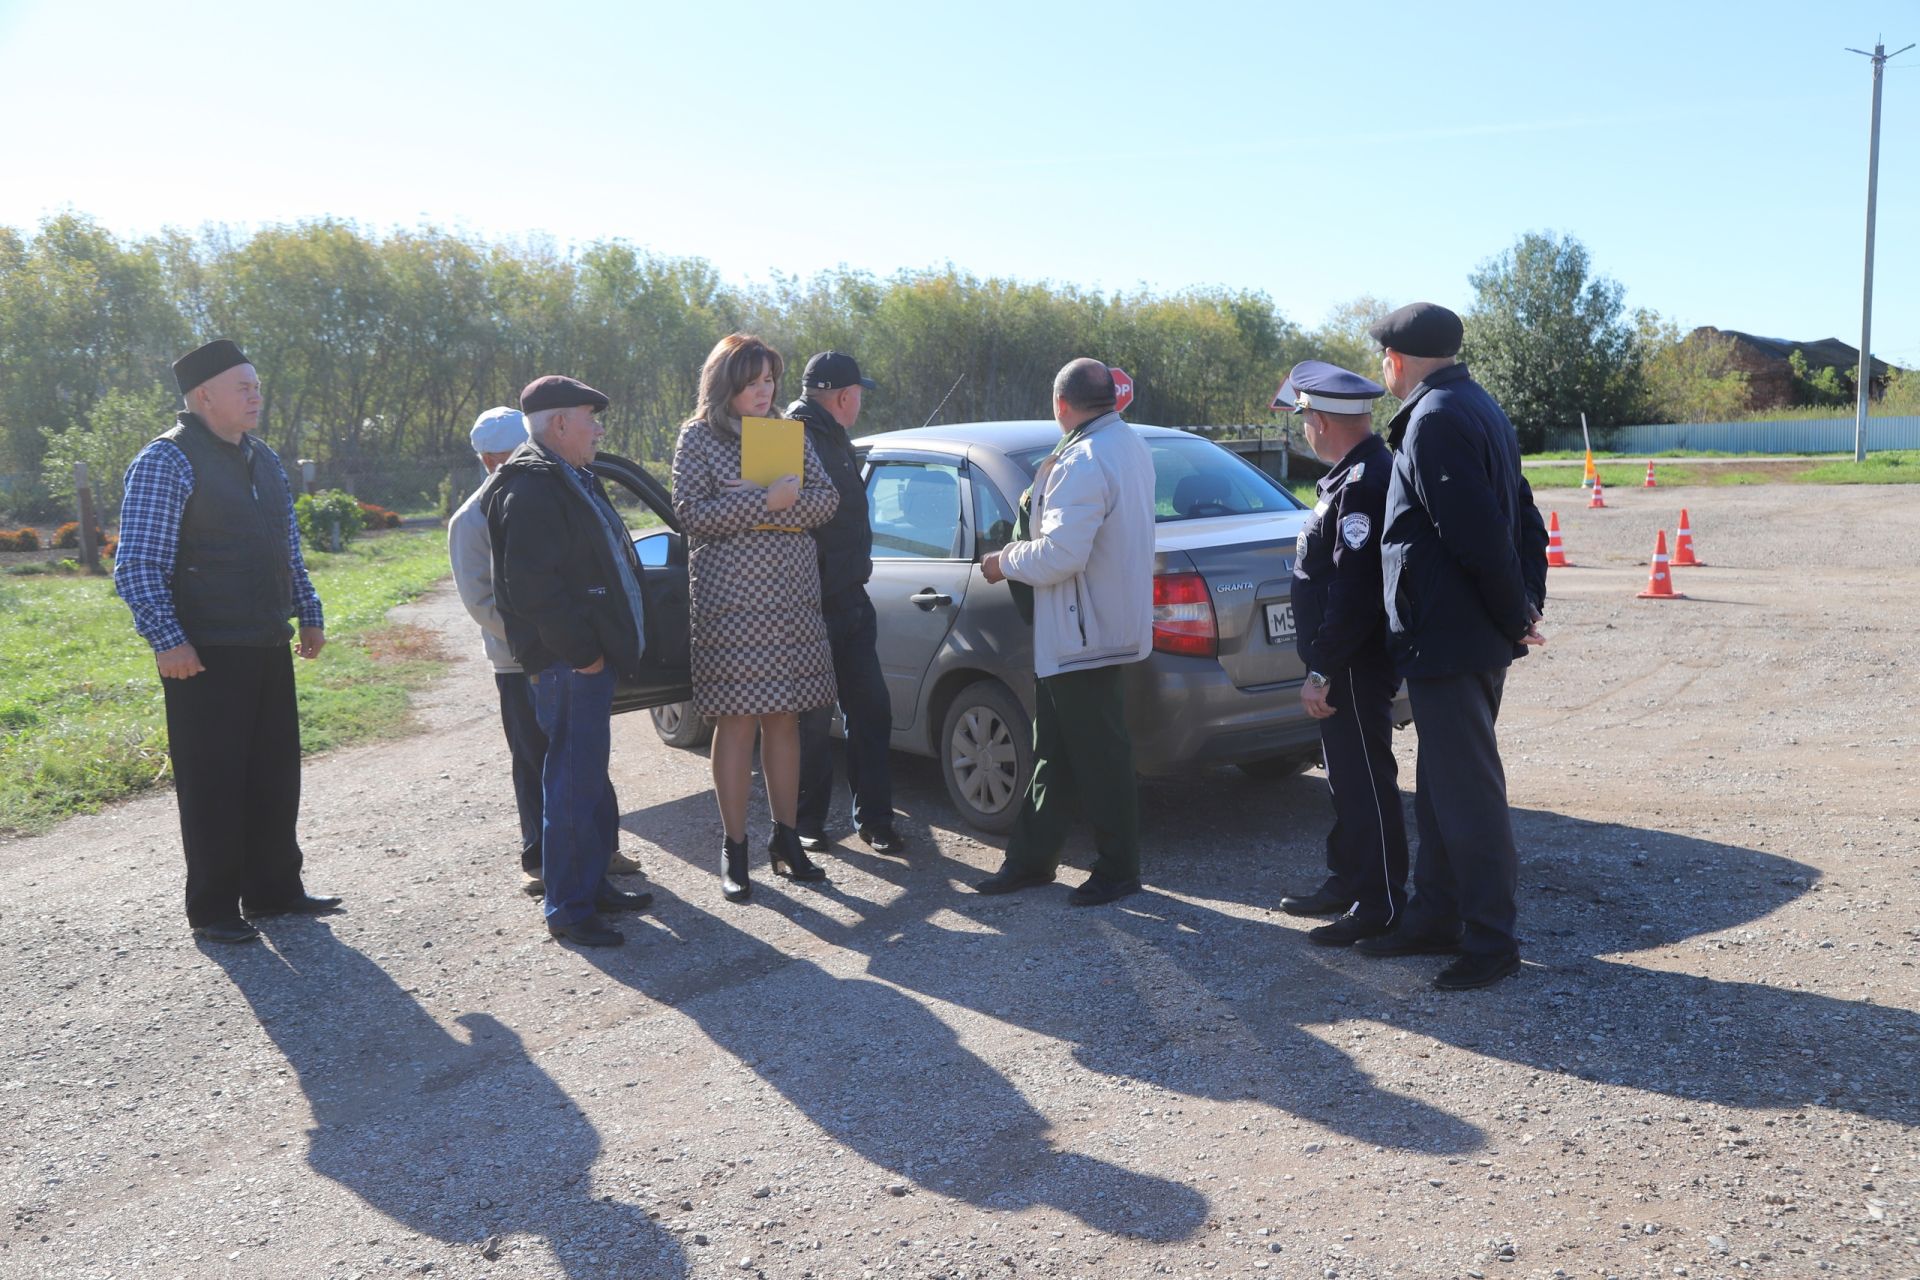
733, 871
789, 859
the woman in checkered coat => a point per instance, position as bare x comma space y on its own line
760, 654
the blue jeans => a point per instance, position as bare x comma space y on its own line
579, 825
852, 633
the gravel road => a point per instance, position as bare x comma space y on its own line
1707, 1068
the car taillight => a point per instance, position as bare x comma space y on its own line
1183, 616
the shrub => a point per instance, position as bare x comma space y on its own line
377, 517
318, 513
67, 536
19, 540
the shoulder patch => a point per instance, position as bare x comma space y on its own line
1356, 471
1354, 530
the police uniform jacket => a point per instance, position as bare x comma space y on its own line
1464, 553
1338, 621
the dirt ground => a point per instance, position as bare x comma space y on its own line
1707, 1068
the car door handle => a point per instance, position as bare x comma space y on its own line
927, 598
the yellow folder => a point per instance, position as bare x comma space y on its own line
771, 448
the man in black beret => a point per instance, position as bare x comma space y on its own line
209, 562
567, 585
1465, 578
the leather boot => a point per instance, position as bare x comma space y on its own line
789, 859
733, 871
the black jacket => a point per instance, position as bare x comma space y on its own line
555, 582
1465, 550
845, 543
232, 578
1338, 620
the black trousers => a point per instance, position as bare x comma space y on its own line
1467, 869
528, 747
1367, 848
853, 635
233, 734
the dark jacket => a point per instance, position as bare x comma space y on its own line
845, 543
1337, 615
1465, 551
232, 579
555, 583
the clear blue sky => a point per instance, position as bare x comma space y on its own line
1711, 155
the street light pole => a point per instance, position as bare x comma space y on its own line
1879, 58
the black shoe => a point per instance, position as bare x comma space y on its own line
591, 932
304, 905
612, 900
1005, 881
882, 839
1099, 889
1323, 901
814, 842
235, 930
789, 859
1404, 941
535, 888
1469, 972
1347, 930
734, 885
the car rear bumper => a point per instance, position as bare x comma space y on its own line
1185, 712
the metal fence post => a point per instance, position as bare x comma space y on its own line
83, 493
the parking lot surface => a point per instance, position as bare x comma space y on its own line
1708, 1067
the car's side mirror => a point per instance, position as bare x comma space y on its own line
654, 549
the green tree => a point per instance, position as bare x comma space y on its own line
1691, 378
1825, 387
1549, 339
118, 426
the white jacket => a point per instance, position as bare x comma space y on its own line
471, 552
1090, 560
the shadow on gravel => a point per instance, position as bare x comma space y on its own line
458, 1140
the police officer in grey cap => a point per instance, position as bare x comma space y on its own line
1464, 572
1341, 633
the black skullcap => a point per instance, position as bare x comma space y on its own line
201, 363
1420, 329
557, 391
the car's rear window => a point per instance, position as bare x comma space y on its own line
1195, 479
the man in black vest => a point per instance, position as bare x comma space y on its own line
209, 562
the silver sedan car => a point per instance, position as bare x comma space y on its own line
1222, 685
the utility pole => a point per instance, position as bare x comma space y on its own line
1879, 58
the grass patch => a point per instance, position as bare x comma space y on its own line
82, 721
1895, 466
1623, 476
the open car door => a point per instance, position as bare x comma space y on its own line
644, 503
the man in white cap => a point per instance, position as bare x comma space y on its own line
496, 434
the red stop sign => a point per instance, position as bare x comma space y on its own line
1122, 388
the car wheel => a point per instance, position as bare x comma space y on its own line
680, 726
986, 755
1273, 768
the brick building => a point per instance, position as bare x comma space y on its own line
1770, 378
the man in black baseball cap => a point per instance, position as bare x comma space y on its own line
834, 389
1464, 571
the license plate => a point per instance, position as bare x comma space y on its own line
1279, 623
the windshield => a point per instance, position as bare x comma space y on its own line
1194, 479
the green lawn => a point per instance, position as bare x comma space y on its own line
1895, 466
81, 717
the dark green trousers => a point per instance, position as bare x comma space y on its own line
1082, 760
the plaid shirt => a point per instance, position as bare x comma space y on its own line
158, 485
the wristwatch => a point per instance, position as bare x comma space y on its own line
1317, 680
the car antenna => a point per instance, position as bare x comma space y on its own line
943, 400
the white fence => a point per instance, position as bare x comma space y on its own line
1809, 435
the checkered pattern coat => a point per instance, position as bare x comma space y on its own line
759, 645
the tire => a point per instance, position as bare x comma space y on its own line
1274, 768
986, 755
678, 726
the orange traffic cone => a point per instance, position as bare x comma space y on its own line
1649, 484
1598, 501
1683, 546
1660, 579
1556, 554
